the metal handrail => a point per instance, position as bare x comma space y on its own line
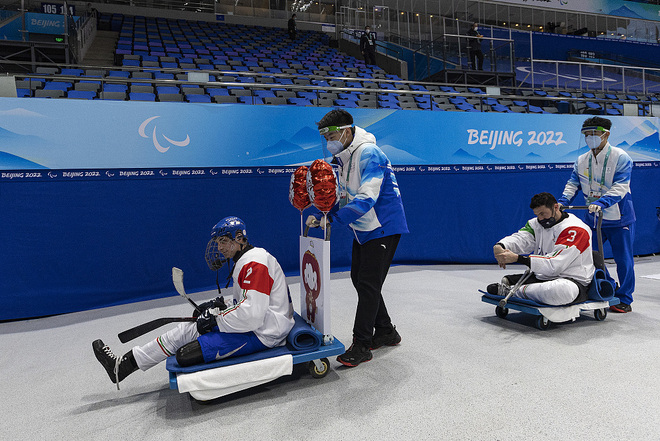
294, 87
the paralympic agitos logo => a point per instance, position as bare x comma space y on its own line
155, 136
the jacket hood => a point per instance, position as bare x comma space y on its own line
360, 137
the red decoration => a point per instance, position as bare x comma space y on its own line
322, 185
298, 195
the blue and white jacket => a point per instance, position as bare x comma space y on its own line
605, 181
369, 197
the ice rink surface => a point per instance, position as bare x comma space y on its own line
460, 373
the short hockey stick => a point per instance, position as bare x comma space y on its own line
177, 279
142, 329
515, 288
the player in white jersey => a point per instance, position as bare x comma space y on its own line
258, 314
556, 246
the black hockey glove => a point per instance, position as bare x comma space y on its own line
218, 302
206, 322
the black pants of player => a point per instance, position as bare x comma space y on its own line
477, 54
370, 56
369, 266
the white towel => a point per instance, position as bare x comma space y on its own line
213, 383
560, 314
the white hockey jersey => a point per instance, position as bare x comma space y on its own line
261, 301
564, 250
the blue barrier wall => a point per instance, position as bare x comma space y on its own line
86, 237
555, 46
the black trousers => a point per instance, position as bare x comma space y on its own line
369, 266
370, 56
474, 55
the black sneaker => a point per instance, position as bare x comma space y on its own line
386, 338
356, 354
621, 307
117, 368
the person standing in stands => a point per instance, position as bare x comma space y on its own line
474, 47
293, 29
368, 46
603, 176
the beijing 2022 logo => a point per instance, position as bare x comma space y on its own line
311, 275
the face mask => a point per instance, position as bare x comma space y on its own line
335, 147
593, 141
549, 222
476, 28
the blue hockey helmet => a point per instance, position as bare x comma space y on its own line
227, 227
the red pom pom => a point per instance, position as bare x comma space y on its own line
322, 185
298, 195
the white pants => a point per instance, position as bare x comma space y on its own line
552, 292
166, 345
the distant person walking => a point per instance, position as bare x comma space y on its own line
368, 46
293, 28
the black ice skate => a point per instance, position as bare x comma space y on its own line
117, 368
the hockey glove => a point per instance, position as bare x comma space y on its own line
206, 322
218, 302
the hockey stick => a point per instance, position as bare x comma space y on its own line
142, 329
177, 279
515, 288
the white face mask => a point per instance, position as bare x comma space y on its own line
593, 141
335, 147
476, 28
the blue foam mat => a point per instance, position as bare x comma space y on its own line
303, 342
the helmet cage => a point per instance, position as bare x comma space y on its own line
214, 258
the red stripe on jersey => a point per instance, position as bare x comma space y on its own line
574, 236
254, 276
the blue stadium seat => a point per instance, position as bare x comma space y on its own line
163, 76
71, 72
82, 94
501, 108
217, 91
346, 103
264, 93
142, 96
58, 85
196, 98
119, 73
108, 87
250, 100
389, 105
167, 89
300, 101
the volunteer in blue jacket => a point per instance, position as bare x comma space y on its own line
603, 175
370, 205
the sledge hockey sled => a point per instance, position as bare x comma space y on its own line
600, 295
308, 342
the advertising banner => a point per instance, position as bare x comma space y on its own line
618, 8
143, 140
